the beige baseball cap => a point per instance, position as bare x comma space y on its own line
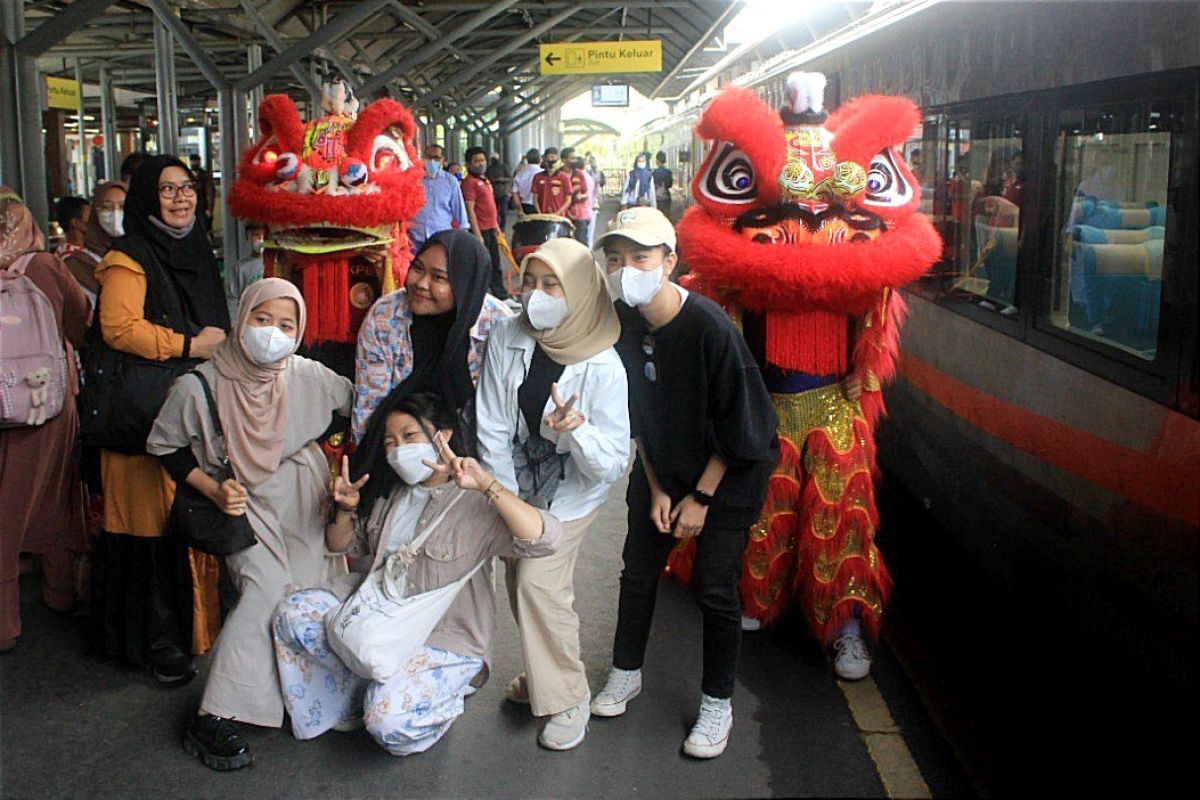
646, 226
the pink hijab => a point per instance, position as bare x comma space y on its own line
252, 398
19, 234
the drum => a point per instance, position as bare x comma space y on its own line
536, 229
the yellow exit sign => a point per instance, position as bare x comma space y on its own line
62, 93
595, 58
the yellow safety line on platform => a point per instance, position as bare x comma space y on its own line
897, 769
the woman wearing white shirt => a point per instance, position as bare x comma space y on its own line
559, 454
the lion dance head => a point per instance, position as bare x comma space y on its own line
800, 210
328, 191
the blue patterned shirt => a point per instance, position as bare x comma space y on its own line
384, 357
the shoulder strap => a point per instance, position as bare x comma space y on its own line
415, 545
210, 400
17, 268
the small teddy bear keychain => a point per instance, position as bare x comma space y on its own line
39, 380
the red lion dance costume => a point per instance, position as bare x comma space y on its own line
326, 191
803, 228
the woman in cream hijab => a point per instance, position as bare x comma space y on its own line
553, 425
272, 405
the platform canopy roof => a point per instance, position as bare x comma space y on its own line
448, 59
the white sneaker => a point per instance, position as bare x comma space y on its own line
566, 729
622, 686
710, 734
750, 623
518, 690
853, 660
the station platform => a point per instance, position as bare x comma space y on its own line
76, 726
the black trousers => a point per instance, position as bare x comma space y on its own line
496, 283
502, 212
529, 208
718, 568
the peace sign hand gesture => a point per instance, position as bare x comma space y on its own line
345, 493
465, 471
564, 418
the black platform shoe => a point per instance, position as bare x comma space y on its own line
216, 742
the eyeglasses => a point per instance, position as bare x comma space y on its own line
650, 368
169, 190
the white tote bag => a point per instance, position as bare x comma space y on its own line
377, 630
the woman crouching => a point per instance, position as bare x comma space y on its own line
474, 518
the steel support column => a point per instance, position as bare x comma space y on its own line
168, 104
231, 118
86, 177
511, 148
22, 153
108, 124
255, 97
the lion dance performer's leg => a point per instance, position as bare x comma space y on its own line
841, 577
769, 567
815, 541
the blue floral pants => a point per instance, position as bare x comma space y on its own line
407, 714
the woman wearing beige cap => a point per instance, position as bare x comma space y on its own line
553, 424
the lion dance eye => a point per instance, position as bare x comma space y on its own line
878, 181
286, 165
730, 177
886, 184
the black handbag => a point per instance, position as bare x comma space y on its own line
122, 395
197, 519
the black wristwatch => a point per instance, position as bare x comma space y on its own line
702, 497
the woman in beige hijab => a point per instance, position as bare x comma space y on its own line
553, 424
272, 405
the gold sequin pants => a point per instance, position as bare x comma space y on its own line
814, 544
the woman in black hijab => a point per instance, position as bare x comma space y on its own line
444, 329
160, 300
178, 247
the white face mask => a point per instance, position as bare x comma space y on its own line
407, 460
636, 287
542, 310
113, 222
268, 344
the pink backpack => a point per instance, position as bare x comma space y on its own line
33, 361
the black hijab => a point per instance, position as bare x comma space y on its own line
186, 265
441, 346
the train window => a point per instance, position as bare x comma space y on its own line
1111, 217
983, 162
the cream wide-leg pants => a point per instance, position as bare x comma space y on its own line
243, 683
541, 593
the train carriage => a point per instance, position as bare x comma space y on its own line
1046, 409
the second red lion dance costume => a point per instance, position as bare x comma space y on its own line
330, 192
804, 226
